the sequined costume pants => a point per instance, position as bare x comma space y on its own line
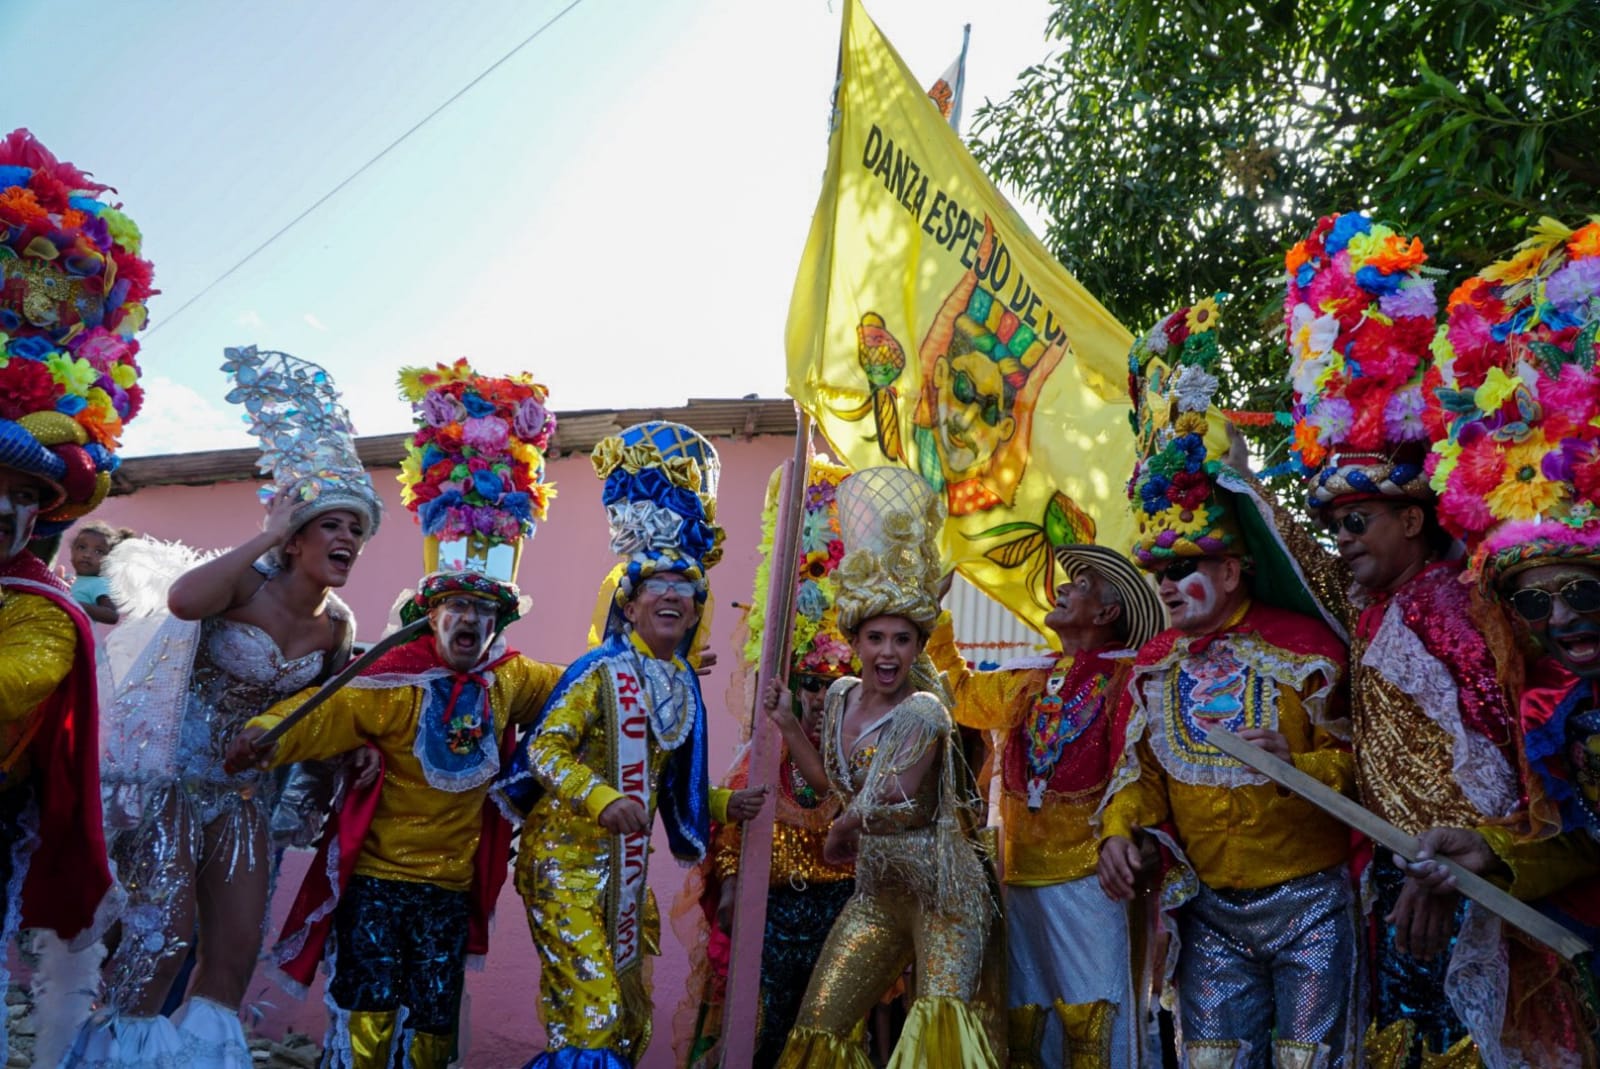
798, 922
199, 856
1274, 964
401, 946
1407, 987
585, 1004
876, 936
1069, 942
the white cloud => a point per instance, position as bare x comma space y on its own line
250, 318
178, 419
314, 323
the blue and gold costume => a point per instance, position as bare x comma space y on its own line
621, 723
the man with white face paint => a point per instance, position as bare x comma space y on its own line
1258, 897
440, 710
405, 884
73, 298
53, 869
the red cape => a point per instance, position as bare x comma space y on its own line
68, 876
305, 932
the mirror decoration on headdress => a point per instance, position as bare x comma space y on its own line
307, 441
474, 471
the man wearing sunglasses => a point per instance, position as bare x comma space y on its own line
1069, 982
620, 742
1433, 731
1258, 890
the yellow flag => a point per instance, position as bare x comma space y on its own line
930, 328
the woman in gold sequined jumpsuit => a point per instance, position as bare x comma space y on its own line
889, 751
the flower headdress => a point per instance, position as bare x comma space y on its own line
307, 441
1172, 377
1359, 315
1516, 412
889, 522
72, 295
474, 470
819, 647
660, 496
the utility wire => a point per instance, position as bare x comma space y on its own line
359, 171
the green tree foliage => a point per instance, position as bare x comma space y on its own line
1179, 148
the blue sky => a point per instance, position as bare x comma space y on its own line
619, 208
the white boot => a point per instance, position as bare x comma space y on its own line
64, 987
212, 1036
118, 1042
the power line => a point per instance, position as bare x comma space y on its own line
359, 171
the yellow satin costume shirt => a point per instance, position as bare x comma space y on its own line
1237, 835
1057, 842
37, 643
419, 832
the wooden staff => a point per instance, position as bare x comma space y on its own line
1374, 827
351, 670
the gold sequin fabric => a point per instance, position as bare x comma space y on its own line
1403, 760
37, 641
418, 831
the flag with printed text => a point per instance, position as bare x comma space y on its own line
929, 327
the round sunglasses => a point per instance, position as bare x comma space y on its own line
1534, 605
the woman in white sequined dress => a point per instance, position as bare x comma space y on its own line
191, 842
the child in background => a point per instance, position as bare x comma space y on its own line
93, 542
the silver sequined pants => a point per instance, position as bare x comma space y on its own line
1274, 963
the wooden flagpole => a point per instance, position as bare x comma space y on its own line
742, 1003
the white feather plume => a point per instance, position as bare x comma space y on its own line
142, 570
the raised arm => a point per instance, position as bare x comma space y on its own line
227, 581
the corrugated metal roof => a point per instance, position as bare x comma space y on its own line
986, 631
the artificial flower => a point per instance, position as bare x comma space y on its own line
1524, 491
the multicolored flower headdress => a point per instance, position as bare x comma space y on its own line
1359, 315
307, 441
474, 470
1172, 377
890, 520
819, 646
1516, 413
660, 496
72, 296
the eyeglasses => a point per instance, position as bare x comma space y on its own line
656, 585
1179, 570
465, 606
1533, 604
1355, 523
811, 684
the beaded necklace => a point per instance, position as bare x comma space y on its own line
1059, 715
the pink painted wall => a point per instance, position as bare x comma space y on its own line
561, 570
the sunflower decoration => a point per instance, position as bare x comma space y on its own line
1514, 408
1173, 377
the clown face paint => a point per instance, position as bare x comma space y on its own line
1198, 602
463, 628
20, 500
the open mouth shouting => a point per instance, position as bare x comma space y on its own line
1578, 646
